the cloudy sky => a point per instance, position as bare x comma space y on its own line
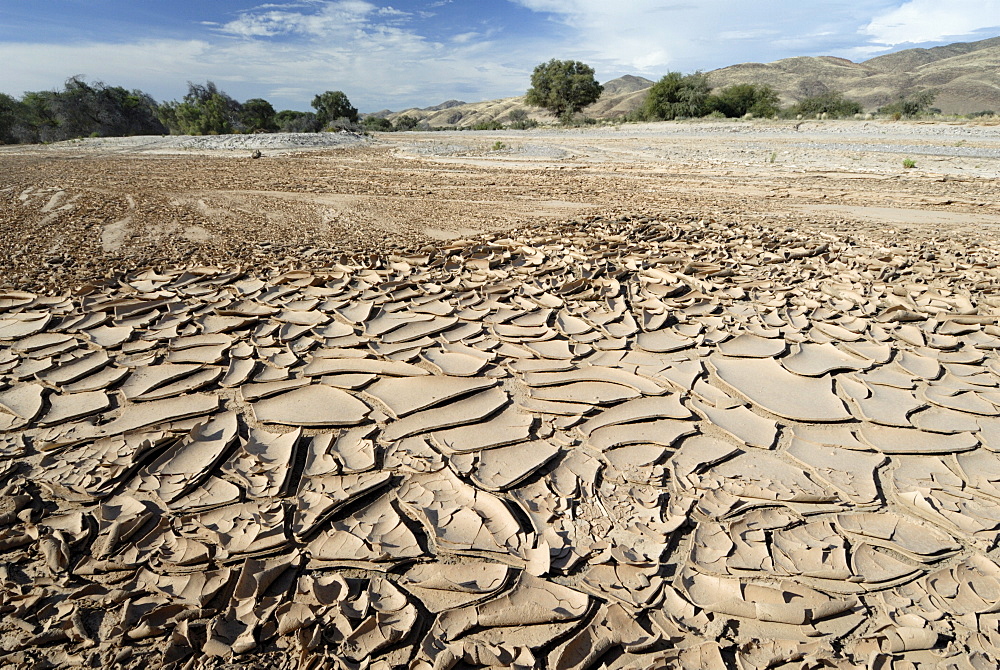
421, 52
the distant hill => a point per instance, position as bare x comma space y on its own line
966, 76
620, 96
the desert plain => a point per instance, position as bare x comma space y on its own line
680, 395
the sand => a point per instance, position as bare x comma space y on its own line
615, 398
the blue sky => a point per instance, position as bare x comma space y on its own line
421, 52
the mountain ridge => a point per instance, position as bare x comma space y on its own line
966, 76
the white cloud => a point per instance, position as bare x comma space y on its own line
333, 18
375, 53
920, 21
652, 36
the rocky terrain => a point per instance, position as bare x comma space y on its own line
674, 396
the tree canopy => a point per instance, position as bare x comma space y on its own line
205, 110
563, 87
81, 109
333, 105
677, 95
291, 121
257, 115
741, 99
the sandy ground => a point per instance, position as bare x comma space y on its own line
81, 210
716, 395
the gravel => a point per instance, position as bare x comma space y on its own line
199, 143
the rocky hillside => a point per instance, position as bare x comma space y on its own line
966, 76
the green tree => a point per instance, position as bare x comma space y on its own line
677, 95
563, 87
741, 99
291, 121
85, 109
406, 122
377, 123
10, 115
205, 110
519, 120
832, 103
257, 115
37, 121
333, 105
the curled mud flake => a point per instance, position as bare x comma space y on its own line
185, 465
850, 472
640, 409
441, 587
770, 386
460, 517
816, 360
455, 364
319, 497
664, 432
532, 601
594, 393
940, 420
507, 427
969, 402
913, 539
504, 467
664, 341
22, 402
98, 381
155, 413
595, 373
460, 412
406, 395
321, 365
23, 324
890, 440
374, 535
74, 406
257, 391
262, 465
741, 423
314, 405
612, 626
785, 602
748, 345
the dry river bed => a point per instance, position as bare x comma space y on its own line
708, 395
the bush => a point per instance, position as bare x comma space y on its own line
487, 125
291, 121
406, 122
344, 124
978, 115
563, 87
377, 123
738, 100
910, 106
10, 110
518, 120
831, 103
676, 96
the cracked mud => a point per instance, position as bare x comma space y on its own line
622, 441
